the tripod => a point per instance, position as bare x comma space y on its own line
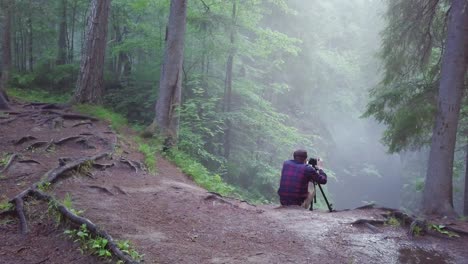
329, 205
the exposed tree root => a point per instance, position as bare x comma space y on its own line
131, 164
78, 220
102, 166
120, 190
103, 189
53, 175
8, 121
36, 145
29, 161
10, 161
23, 140
70, 116
83, 123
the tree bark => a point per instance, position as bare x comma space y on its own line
62, 38
30, 43
438, 193
170, 84
90, 84
6, 54
465, 201
228, 84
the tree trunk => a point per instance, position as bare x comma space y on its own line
62, 38
72, 40
30, 43
438, 194
170, 84
228, 84
465, 202
6, 54
90, 84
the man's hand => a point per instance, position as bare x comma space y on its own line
319, 164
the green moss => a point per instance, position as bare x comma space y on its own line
149, 150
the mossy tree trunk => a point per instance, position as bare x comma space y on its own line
6, 53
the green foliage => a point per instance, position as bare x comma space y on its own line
126, 247
5, 205
32, 95
211, 182
116, 120
59, 79
97, 245
149, 150
441, 229
44, 186
393, 221
67, 202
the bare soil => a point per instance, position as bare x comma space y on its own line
170, 219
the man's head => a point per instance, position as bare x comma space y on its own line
300, 155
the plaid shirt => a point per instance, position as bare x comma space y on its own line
295, 178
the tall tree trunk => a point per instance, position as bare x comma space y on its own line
228, 83
438, 194
6, 54
465, 204
62, 38
170, 84
90, 84
72, 40
30, 42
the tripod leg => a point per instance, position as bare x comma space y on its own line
325, 197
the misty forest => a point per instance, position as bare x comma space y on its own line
156, 130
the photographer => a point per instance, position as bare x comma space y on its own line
295, 178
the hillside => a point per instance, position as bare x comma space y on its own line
165, 215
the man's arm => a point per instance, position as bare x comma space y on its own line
317, 176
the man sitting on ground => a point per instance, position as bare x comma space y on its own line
295, 178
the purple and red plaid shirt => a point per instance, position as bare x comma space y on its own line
295, 178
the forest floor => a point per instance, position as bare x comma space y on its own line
170, 219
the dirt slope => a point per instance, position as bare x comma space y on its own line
170, 219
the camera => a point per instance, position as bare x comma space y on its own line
313, 162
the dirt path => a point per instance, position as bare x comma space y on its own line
171, 220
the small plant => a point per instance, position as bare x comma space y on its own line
126, 248
98, 246
417, 230
67, 202
5, 205
393, 221
44, 186
441, 229
85, 167
4, 159
149, 150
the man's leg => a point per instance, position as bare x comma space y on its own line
308, 200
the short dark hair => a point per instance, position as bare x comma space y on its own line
300, 155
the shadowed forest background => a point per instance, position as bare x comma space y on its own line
344, 80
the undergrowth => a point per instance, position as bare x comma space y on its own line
32, 95
116, 120
201, 175
149, 150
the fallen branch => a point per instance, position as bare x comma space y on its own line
10, 161
78, 220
